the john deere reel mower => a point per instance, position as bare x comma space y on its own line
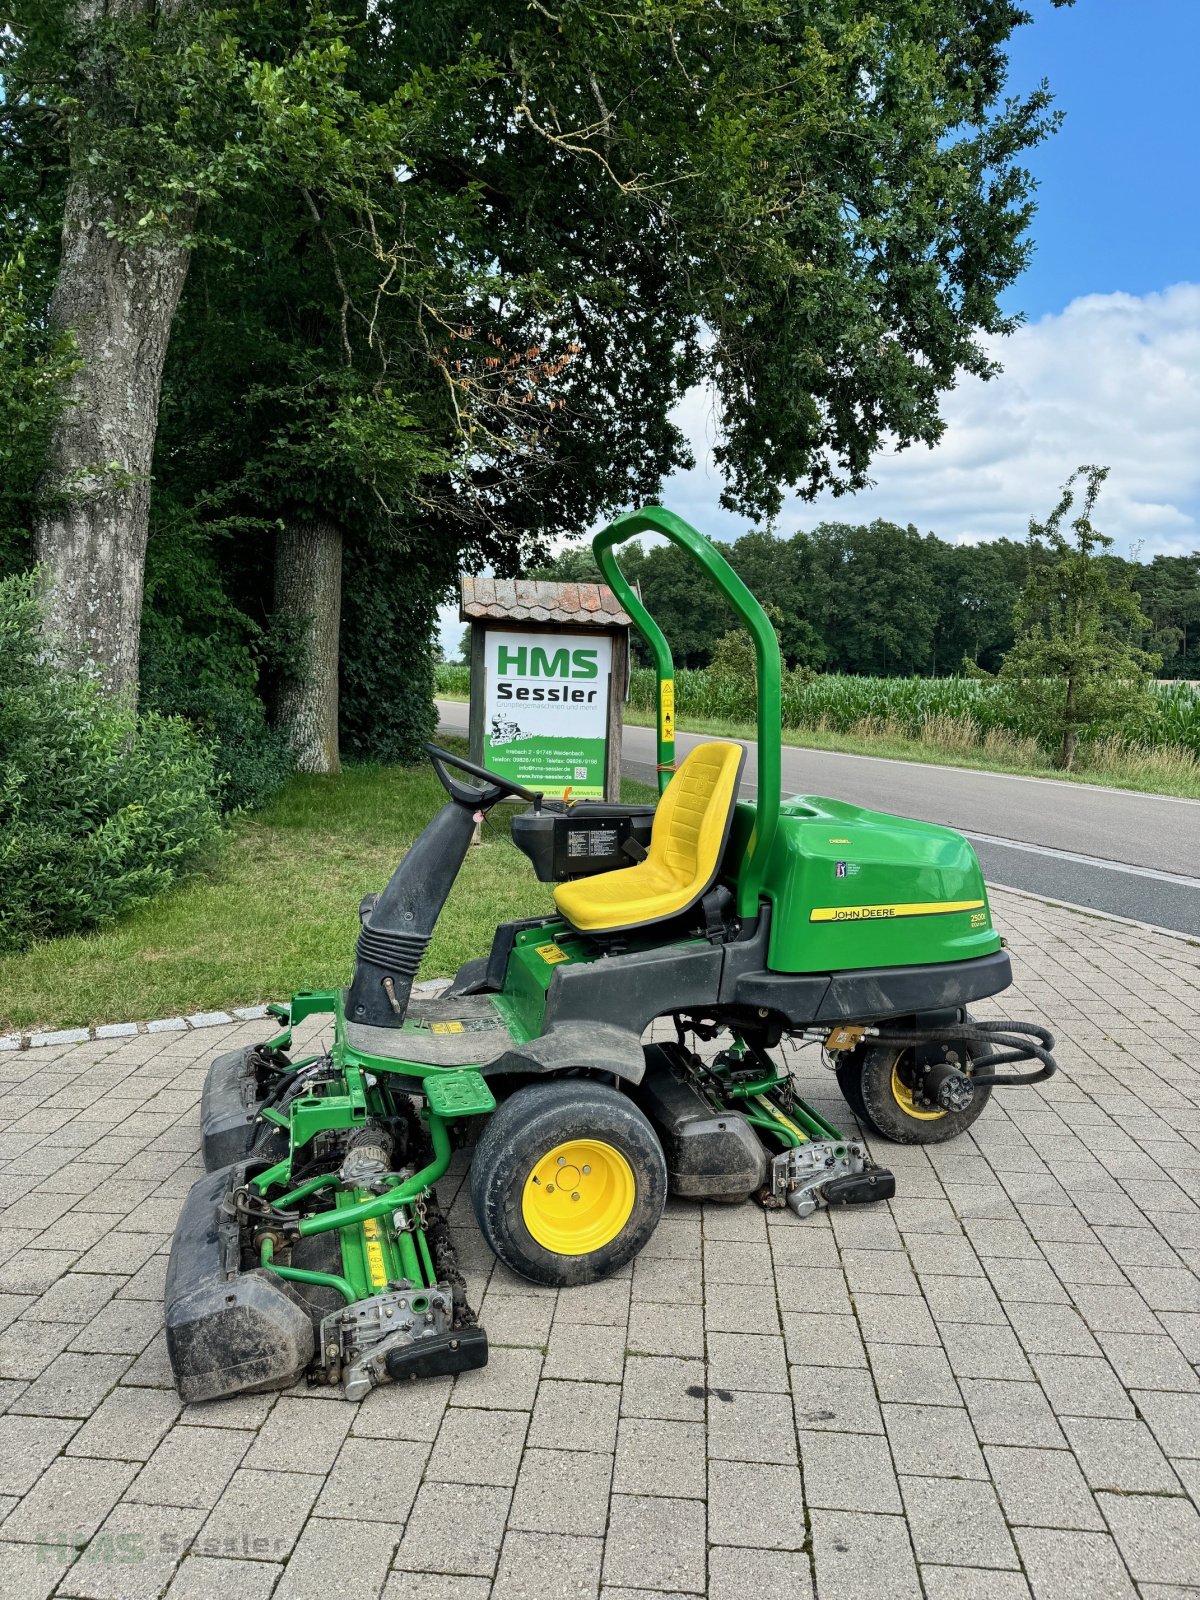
314, 1247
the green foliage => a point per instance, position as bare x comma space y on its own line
33, 366
99, 809
1074, 668
202, 658
1170, 714
389, 609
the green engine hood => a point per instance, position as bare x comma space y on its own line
854, 888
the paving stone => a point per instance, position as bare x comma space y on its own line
117, 1030
373, 1480
540, 1563
219, 1578
747, 1361
29, 1571
750, 1427
1119, 1455
27, 1447
755, 1504
509, 1382
405, 1410
435, 1586
895, 1319
1052, 1329
454, 1528
662, 1386
657, 1457
604, 1302
731, 1308
68, 1502
823, 1339
1073, 1566
72, 1385
656, 1544
972, 1583
259, 1514
191, 1467
597, 1351
898, 1376
1082, 1386
841, 1399
933, 1441
128, 1424
1042, 1488
880, 1271
575, 1416
565, 1491
1004, 1412
329, 1550
741, 1574
848, 1473
305, 1436
1174, 1420
861, 1556
1158, 1537
1148, 1361
956, 1521
134, 1554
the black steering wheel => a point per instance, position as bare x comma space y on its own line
496, 787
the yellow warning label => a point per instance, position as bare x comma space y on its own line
375, 1262
666, 708
551, 953
445, 1027
917, 908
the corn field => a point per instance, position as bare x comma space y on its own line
907, 706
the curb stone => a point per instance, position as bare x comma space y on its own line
37, 1038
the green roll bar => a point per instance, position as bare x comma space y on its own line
655, 519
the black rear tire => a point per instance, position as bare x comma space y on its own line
882, 1079
588, 1219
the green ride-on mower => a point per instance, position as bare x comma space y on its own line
314, 1246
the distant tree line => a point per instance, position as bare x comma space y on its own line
887, 601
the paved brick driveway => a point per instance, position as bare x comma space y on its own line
985, 1389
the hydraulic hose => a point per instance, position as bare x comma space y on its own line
1003, 1042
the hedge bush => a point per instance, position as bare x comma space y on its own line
100, 808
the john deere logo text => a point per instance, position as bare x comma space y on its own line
525, 663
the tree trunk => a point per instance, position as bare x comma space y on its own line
120, 302
1066, 754
308, 589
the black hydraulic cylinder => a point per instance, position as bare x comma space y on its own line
397, 925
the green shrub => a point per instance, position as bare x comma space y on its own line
99, 808
389, 607
201, 658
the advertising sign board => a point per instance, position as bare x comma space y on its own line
546, 709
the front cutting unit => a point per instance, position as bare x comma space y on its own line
595, 1059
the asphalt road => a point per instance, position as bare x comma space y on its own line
1132, 855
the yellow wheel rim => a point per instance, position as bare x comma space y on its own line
903, 1096
578, 1197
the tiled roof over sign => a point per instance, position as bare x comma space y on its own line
582, 605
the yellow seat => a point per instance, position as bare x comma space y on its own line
691, 825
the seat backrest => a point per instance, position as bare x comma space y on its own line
691, 823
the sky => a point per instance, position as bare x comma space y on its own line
1106, 366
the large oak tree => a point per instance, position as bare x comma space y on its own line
467, 257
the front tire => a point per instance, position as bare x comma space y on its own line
568, 1181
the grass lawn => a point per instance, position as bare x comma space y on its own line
276, 909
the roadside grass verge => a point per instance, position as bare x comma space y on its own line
275, 909
950, 741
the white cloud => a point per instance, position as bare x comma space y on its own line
1113, 379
